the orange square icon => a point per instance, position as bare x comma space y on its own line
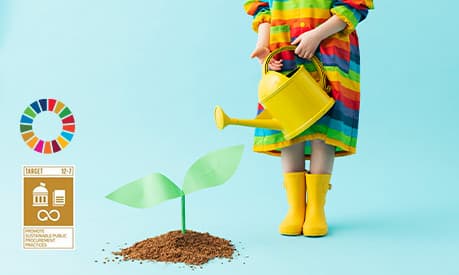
48, 207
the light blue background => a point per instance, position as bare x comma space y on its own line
142, 78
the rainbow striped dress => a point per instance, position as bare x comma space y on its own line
340, 56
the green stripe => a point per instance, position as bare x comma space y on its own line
280, 29
331, 133
30, 112
290, 5
25, 127
65, 112
352, 75
346, 13
261, 13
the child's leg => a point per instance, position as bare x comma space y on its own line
295, 187
322, 157
293, 158
317, 185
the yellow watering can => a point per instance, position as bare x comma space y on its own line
291, 104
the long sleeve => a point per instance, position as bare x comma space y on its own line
259, 10
351, 11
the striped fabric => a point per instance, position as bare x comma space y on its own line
340, 56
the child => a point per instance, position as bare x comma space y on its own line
326, 29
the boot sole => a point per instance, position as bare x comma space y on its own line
290, 234
315, 234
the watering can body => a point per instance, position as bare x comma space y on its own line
292, 104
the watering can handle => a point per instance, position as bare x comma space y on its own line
314, 59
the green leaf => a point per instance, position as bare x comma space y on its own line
213, 169
146, 192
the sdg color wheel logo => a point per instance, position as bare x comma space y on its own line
63, 133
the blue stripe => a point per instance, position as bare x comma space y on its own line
44, 104
260, 9
68, 136
334, 60
363, 14
355, 58
36, 107
26, 119
354, 68
261, 132
348, 116
337, 126
355, 50
288, 65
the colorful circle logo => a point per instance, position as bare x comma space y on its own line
61, 111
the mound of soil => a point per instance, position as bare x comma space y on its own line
192, 248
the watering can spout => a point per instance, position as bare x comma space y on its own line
263, 120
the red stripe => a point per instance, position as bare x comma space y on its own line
69, 119
69, 128
354, 39
51, 104
260, 108
345, 92
287, 55
349, 103
341, 53
334, 42
358, 5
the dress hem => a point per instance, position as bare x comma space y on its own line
273, 149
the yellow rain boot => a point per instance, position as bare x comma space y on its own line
315, 223
295, 187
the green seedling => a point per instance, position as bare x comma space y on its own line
212, 169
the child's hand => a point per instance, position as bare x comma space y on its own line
261, 53
307, 44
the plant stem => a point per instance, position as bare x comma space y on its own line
183, 215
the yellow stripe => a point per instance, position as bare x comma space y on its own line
346, 82
28, 135
62, 142
279, 37
32, 142
300, 13
59, 107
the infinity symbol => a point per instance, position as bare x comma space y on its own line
48, 215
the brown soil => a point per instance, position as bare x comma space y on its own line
192, 248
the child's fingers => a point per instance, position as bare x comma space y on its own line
296, 41
300, 52
260, 53
255, 53
275, 65
276, 62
